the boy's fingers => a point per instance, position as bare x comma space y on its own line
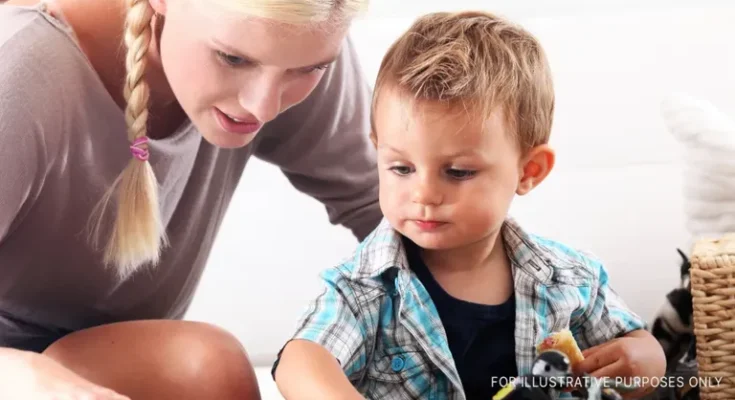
595, 349
587, 352
596, 360
609, 370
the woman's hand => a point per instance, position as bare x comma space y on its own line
32, 376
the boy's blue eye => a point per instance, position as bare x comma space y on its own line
233, 61
401, 170
461, 173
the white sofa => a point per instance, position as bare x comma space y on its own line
616, 189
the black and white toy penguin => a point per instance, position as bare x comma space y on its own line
594, 390
550, 374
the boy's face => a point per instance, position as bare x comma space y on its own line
444, 182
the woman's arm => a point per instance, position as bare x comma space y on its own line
30, 113
322, 145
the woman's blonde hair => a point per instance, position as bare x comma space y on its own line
138, 233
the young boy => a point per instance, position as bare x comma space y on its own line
449, 296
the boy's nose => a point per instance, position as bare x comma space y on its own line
427, 194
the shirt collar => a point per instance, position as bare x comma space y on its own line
383, 249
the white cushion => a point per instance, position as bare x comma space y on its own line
707, 138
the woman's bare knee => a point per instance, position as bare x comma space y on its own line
160, 359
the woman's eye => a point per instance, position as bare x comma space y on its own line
233, 61
316, 68
401, 170
461, 173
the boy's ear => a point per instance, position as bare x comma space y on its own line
536, 166
159, 6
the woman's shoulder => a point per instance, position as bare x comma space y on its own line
47, 84
16, 18
38, 54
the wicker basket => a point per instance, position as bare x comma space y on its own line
713, 298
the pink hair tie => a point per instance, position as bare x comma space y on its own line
139, 148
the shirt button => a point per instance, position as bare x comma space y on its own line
397, 364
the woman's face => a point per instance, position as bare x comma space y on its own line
231, 73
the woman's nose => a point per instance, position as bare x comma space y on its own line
262, 99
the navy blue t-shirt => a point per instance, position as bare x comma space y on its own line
481, 337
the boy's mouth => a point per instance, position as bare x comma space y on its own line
428, 225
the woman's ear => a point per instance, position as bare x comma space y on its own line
159, 6
536, 166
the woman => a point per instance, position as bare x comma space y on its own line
124, 129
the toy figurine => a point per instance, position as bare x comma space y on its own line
550, 374
595, 391
551, 378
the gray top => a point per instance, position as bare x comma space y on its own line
63, 142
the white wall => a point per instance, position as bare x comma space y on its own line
616, 190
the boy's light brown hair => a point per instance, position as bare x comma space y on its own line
473, 61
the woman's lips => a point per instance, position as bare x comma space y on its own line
231, 124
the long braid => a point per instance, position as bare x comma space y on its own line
138, 234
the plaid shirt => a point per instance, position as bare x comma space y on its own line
377, 319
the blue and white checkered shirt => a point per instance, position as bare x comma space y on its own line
377, 319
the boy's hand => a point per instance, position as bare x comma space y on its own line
636, 355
